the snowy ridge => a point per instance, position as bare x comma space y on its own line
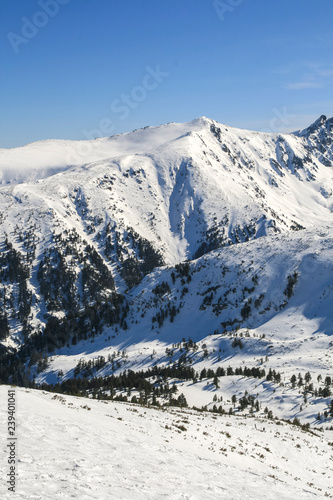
174, 184
95, 236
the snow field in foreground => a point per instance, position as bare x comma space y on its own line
71, 447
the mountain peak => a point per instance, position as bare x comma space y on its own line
202, 120
318, 124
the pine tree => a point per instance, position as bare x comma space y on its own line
293, 380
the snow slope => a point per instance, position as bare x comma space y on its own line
291, 336
92, 231
42, 159
184, 188
174, 184
75, 448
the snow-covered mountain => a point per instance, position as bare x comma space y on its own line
123, 248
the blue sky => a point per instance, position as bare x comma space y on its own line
74, 69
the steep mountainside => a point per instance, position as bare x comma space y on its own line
139, 241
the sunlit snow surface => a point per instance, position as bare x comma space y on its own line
76, 448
